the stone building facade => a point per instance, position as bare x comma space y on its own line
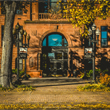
55, 46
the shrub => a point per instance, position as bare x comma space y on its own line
82, 75
93, 87
21, 72
14, 71
90, 73
105, 80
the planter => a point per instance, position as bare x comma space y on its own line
40, 76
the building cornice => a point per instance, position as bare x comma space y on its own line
47, 22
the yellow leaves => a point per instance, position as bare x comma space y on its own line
82, 0
64, 7
93, 87
106, 1
76, 100
102, 14
33, 106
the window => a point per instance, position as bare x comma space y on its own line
54, 6
58, 55
3, 8
65, 42
49, 4
30, 62
44, 42
20, 64
43, 6
2, 34
18, 11
104, 36
54, 40
88, 64
51, 55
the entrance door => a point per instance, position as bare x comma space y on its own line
54, 59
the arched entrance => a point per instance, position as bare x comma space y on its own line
54, 57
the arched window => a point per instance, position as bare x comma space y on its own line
30, 62
54, 40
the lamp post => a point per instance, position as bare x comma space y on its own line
26, 45
16, 31
19, 32
94, 41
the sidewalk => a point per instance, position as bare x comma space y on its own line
61, 90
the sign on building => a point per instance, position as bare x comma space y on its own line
23, 53
88, 53
23, 50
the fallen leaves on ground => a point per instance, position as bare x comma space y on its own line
93, 87
33, 106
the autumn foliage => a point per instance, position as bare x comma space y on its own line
105, 80
82, 13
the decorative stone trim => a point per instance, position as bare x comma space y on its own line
48, 22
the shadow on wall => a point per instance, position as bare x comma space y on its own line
34, 50
103, 62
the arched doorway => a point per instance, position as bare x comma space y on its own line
54, 57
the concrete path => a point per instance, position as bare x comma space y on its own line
52, 90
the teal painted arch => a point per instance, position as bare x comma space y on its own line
54, 39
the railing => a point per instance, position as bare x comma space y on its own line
50, 16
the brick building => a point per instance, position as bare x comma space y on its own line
55, 46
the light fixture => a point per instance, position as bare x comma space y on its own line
21, 31
25, 33
14, 31
90, 31
28, 37
20, 36
93, 27
54, 39
17, 26
97, 32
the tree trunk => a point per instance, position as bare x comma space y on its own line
7, 48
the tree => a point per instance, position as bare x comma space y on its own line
7, 48
82, 13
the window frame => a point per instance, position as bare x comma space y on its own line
49, 5
104, 38
21, 64
19, 13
